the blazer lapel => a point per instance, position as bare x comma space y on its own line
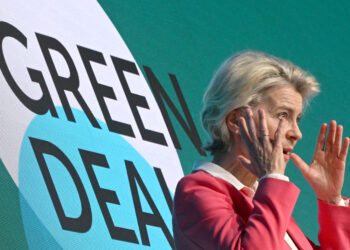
297, 236
245, 205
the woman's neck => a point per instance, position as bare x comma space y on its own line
229, 161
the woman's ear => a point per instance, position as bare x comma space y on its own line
232, 122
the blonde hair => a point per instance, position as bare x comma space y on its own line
241, 81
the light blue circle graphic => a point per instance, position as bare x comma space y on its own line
41, 223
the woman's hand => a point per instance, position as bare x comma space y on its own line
265, 157
326, 172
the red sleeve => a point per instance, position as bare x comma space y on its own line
334, 226
211, 216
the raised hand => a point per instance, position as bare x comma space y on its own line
265, 157
326, 171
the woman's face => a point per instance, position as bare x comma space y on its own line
283, 102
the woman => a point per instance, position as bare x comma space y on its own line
251, 112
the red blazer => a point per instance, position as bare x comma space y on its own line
209, 213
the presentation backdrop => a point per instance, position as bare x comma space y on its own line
100, 103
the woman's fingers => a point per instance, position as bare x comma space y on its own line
333, 142
251, 125
300, 163
344, 151
263, 131
249, 166
338, 140
331, 136
321, 138
278, 136
245, 162
244, 130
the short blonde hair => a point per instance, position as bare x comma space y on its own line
241, 81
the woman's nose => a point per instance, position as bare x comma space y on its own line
294, 132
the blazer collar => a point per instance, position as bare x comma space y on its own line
215, 170
219, 172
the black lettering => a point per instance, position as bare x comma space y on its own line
81, 224
144, 218
40, 106
101, 91
135, 100
104, 195
45, 102
160, 94
62, 83
164, 188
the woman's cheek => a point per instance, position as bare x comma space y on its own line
272, 125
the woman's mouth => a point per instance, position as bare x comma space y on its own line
286, 153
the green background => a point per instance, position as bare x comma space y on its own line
191, 38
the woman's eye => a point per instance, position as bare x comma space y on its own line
282, 115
